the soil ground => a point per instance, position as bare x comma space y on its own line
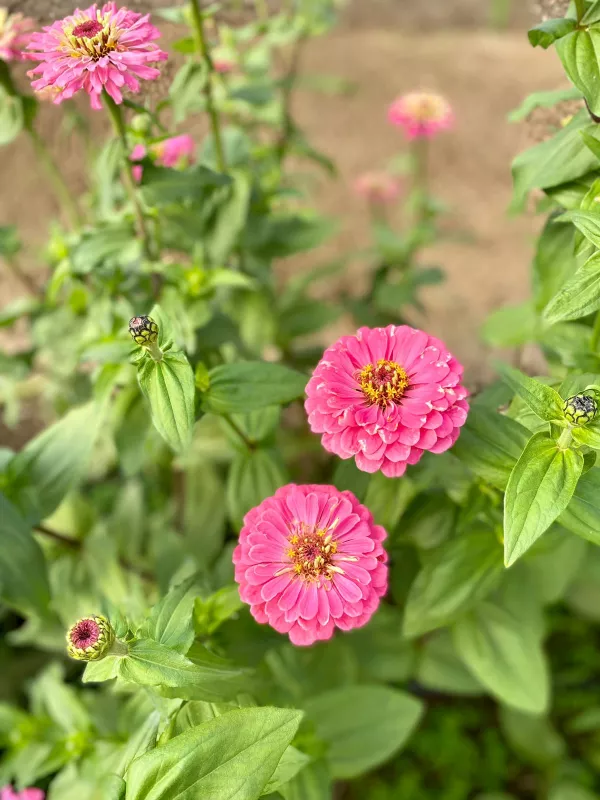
387, 47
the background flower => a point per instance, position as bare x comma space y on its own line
421, 114
379, 188
8, 793
15, 33
176, 152
385, 396
310, 559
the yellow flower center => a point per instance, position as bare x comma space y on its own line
426, 107
383, 383
311, 552
91, 37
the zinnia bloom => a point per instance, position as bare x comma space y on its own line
176, 152
94, 50
421, 114
384, 396
8, 793
15, 32
310, 559
379, 188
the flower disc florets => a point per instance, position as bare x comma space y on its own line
580, 409
143, 330
421, 114
90, 638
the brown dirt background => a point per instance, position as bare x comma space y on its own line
384, 47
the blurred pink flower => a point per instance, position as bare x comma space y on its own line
15, 32
9, 793
384, 396
379, 188
222, 62
99, 49
421, 114
311, 559
176, 152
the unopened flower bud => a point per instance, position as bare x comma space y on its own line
143, 330
90, 638
580, 409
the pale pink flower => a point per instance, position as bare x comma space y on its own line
384, 396
177, 152
421, 114
8, 793
15, 32
379, 188
222, 62
311, 559
99, 49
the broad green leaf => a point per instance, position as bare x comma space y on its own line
230, 218
186, 91
211, 612
540, 488
490, 444
588, 435
382, 652
533, 738
362, 725
549, 31
588, 222
312, 783
544, 401
542, 100
554, 261
109, 245
233, 756
164, 186
554, 561
511, 326
171, 621
248, 385
440, 669
292, 761
23, 579
170, 388
253, 476
578, 52
58, 700
582, 515
457, 575
569, 790
387, 499
580, 296
52, 463
149, 663
499, 649
203, 511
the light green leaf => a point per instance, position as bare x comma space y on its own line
580, 296
170, 388
456, 575
247, 385
292, 761
569, 790
533, 738
540, 488
212, 612
578, 52
549, 31
363, 725
312, 783
203, 511
230, 219
171, 621
588, 222
542, 100
582, 515
588, 435
52, 463
439, 667
542, 400
253, 476
232, 756
499, 649
554, 261
23, 579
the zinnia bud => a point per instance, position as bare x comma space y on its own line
580, 409
90, 638
143, 330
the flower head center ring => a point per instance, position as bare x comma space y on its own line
311, 552
92, 38
382, 383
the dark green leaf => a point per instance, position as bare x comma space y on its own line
248, 385
582, 515
580, 296
544, 401
578, 52
554, 261
547, 32
171, 621
253, 476
440, 668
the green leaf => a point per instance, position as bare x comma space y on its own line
578, 52
253, 476
440, 668
457, 575
203, 511
212, 612
312, 783
540, 488
362, 725
544, 401
554, 261
549, 31
230, 220
588, 222
580, 296
292, 761
11, 116
588, 435
232, 756
171, 621
170, 389
186, 91
499, 648
54, 462
542, 100
248, 385
109, 245
533, 738
511, 326
23, 579
569, 790
582, 515
490, 444
164, 186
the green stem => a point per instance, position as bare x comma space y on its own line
580, 8
60, 188
289, 82
421, 180
203, 51
155, 352
236, 428
118, 122
565, 439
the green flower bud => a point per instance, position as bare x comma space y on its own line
580, 409
90, 638
140, 123
143, 330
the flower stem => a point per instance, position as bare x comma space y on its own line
565, 439
118, 122
580, 9
203, 51
421, 180
236, 429
61, 190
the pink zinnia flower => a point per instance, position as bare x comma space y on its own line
222, 62
176, 152
379, 188
310, 559
8, 793
95, 50
386, 395
421, 114
15, 32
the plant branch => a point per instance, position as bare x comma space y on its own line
203, 51
236, 429
288, 85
